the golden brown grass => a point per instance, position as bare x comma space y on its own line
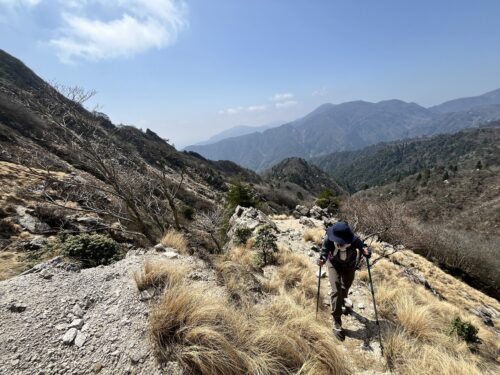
280, 217
158, 273
11, 264
418, 340
176, 240
295, 275
278, 334
314, 235
209, 336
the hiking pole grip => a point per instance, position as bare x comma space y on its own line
374, 305
317, 296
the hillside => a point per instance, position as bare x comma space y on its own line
387, 162
347, 126
161, 311
62, 166
299, 172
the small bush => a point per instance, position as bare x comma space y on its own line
188, 212
465, 330
176, 240
89, 249
265, 247
240, 195
242, 235
327, 199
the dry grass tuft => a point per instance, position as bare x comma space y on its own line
295, 275
279, 217
278, 334
418, 341
157, 274
11, 264
209, 336
176, 240
314, 235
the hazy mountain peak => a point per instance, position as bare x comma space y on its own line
465, 104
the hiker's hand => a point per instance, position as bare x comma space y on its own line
367, 252
320, 262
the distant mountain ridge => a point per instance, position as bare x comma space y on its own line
237, 131
464, 104
351, 126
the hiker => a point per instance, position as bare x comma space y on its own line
340, 253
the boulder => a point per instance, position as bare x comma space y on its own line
307, 222
30, 222
317, 212
248, 217
302, 210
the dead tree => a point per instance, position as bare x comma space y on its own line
211, 222
148, 195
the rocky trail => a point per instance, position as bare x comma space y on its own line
61, 320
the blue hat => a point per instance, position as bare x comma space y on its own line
340, 233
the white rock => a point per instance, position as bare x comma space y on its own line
348, 302
146, 295
171, 255
361, 306
160, 248
80, 339
77, 311
61, 326
69, 336
77, 323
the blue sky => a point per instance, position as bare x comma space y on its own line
189, 69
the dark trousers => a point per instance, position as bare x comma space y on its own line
340, 282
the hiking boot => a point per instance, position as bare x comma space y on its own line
337, 328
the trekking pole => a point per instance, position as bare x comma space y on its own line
317, 297
375, 306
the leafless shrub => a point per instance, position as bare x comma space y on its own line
146, 194
211, 222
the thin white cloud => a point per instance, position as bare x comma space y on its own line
140, 25
256, 108
323, 91
19, 3
286, 104
240, 109
231, 111
282, 97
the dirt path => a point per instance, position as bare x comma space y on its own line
61, 321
